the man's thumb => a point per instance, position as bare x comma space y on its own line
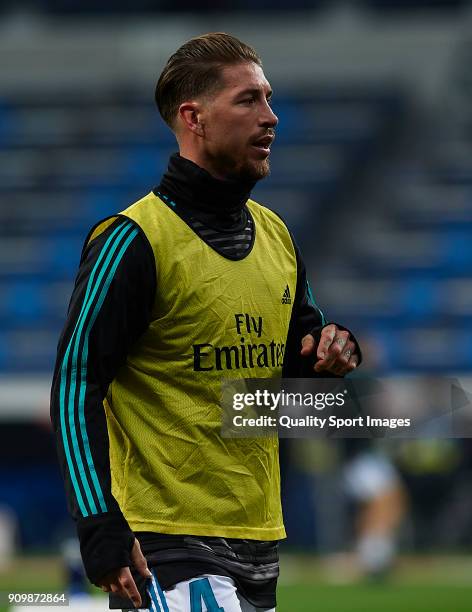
308, 343
139, 560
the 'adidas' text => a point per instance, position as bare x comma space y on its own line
286, 299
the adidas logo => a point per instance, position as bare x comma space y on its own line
286, 299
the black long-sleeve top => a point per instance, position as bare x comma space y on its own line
106, 325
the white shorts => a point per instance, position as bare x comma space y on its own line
206, 593
369, 475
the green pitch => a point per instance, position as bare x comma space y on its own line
422, 584
376, 598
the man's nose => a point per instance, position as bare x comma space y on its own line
269, 118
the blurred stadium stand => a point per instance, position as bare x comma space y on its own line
63, 167
371, 168
120, 7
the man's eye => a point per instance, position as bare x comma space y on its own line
248, 100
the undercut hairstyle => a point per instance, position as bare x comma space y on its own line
195, 69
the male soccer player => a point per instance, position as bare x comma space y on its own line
193, 283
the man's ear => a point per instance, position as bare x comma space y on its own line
190, 116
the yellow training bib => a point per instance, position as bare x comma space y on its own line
213, 318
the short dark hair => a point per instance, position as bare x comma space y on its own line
195, 69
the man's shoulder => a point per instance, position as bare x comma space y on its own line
112, 237
139, 205
102, 228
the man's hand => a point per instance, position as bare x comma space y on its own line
121, 581
335, 352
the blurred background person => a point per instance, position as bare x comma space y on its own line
374, 485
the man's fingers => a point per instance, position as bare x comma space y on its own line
139, 560
347, 352
122, 583
129, 589
346, 362
340, 366
328, 334
352, 363
320, 366
336, 348
335, 352
308, 344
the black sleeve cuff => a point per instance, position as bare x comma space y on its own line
105, 544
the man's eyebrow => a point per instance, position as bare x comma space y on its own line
254, 91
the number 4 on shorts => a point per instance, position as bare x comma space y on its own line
201, 590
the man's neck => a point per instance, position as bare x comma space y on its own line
204, 163
196, 189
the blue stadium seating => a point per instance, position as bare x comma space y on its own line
73, 162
